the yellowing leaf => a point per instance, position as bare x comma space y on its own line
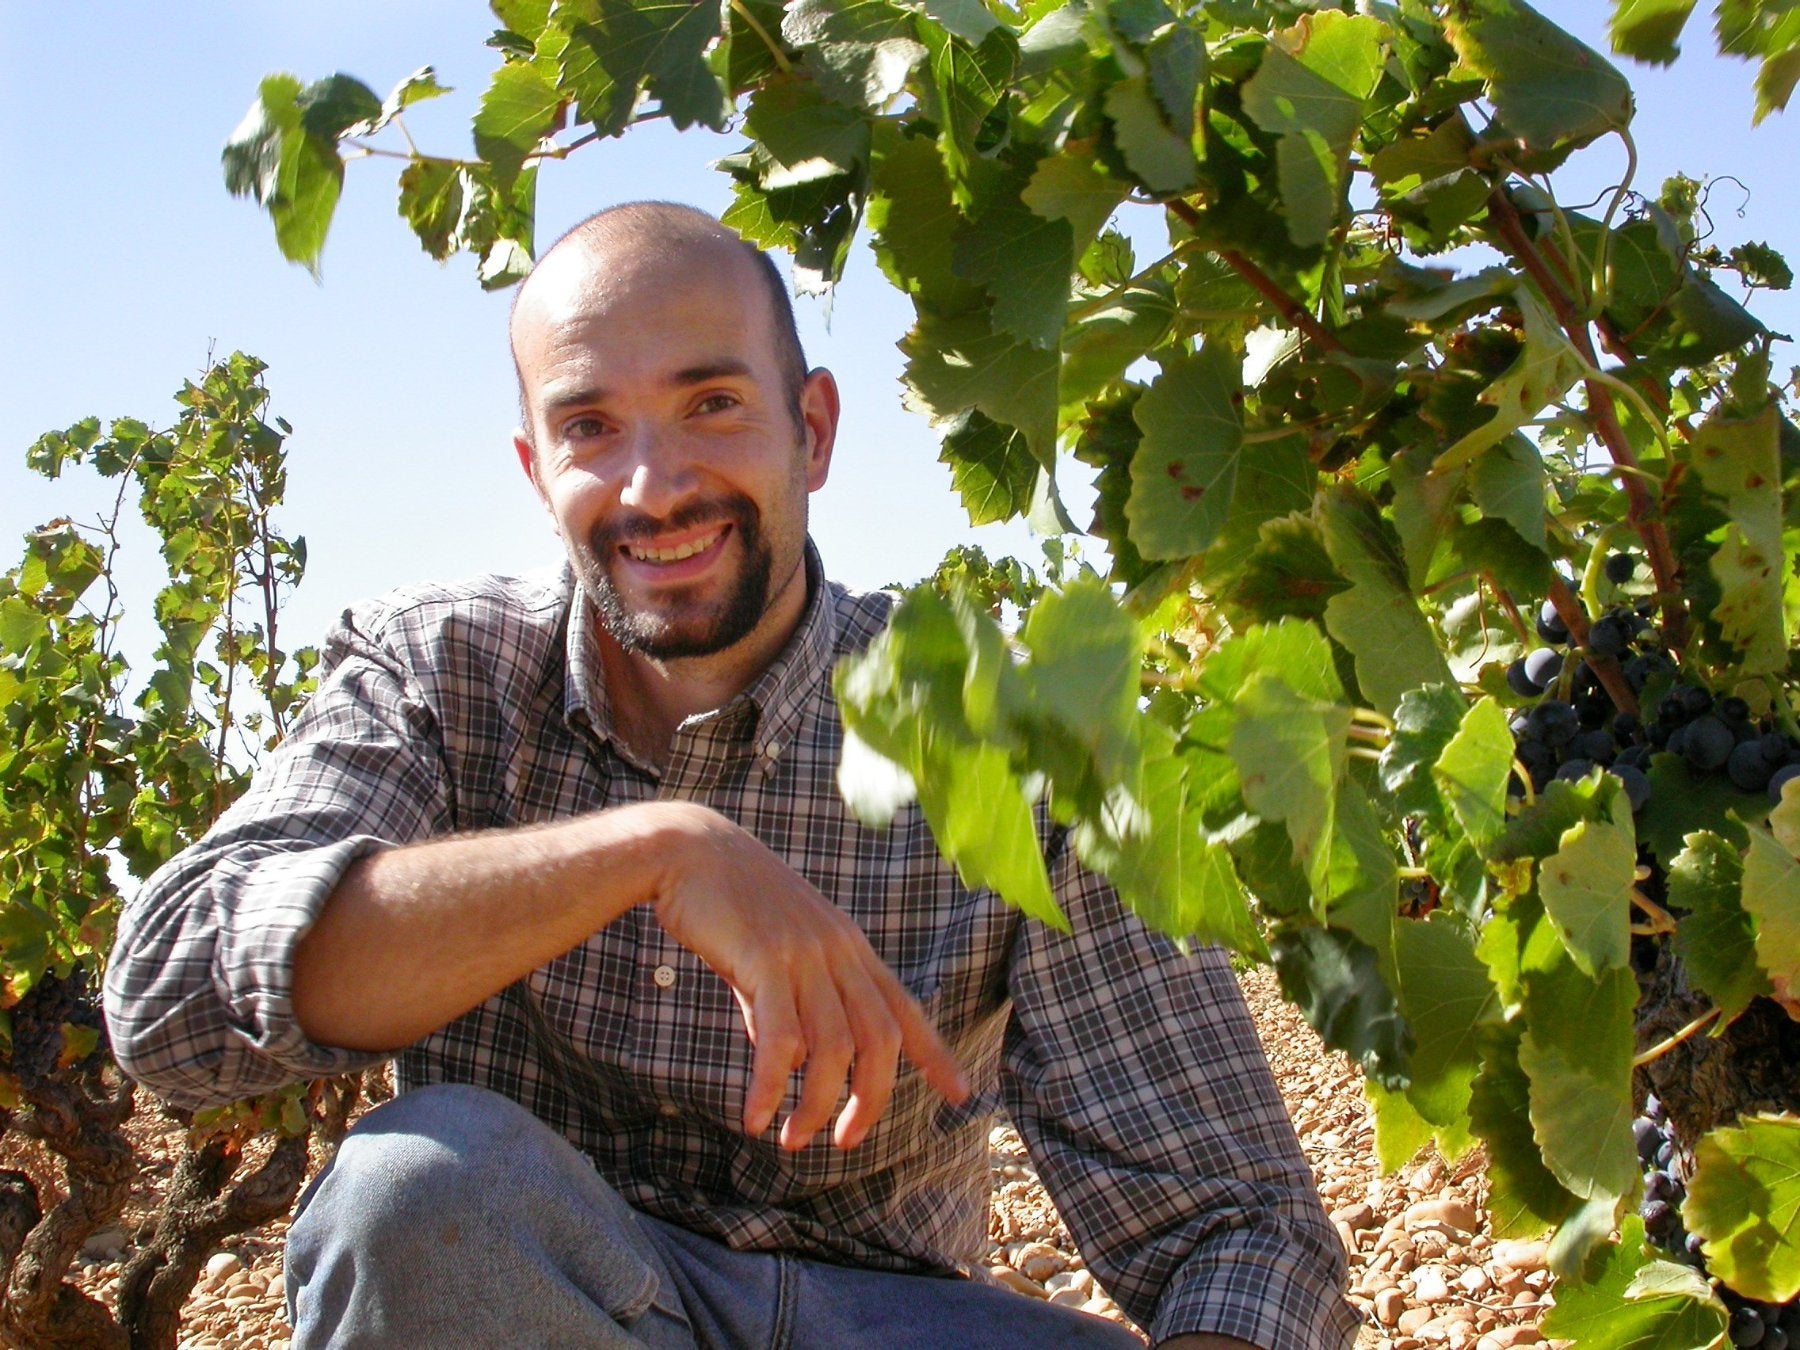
1744, 1202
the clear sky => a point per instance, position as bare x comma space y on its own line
123, 261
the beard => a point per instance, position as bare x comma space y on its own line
682, 627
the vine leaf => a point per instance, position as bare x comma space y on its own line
1647, 30
991, 467
1334, 978
1186, 466
1471, 773
1744, 1202
1448, 999
1771, 896
801, 138
1509, 483
1632, 1301
1309, 91
915, 224
860, 53
1524, 1198
1024, 262
1552, 91
1160, 157
1068, 186
1377, 619
1739, 460
1540, 375
1586, 887
659, 45
1577, 1053
1290, 754
520, 108
968, 81
1716, 938
959, 363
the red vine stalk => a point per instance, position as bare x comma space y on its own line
1641, 510
1266, 286
1605, 668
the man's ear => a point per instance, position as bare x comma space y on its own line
819, 416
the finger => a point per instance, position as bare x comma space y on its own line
829, 1049
877, 1062
920, 1042
774, 1030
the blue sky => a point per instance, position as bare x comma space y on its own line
123, 261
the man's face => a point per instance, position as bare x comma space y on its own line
668, 448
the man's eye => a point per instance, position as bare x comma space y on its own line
717, 403
580, 428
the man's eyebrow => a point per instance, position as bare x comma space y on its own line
588, 395
711, 370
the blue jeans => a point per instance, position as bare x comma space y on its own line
453, 1217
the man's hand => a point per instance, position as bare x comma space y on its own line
812, 990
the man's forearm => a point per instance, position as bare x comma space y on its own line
414, 937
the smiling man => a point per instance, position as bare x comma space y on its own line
687, 1056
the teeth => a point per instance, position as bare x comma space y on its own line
669, 555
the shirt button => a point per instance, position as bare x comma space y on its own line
664, 977
669, 1111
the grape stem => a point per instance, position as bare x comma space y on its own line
1606, 670
1370, 717
1660, 919
1524, 777
1505, 600
1374, 736
1596, 566
1296, 314
1668, 1043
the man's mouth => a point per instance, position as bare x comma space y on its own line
672, 553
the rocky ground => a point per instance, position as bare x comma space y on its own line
1423, 1272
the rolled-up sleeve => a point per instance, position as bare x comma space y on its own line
1135, 1078
199, 989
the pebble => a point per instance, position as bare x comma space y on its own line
1430, 1286
221, 1266
1015, 1281
1449, 1213
1388, 1305
1081, 1281
1411, 1319
1069, 1298
1520, 1255
1356, 1217
1038, 1261
1474, 1281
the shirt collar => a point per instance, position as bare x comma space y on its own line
779, 695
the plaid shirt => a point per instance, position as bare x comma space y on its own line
1132, 1071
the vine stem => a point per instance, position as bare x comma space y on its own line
1668, 1043
1265, 285
1606, 670
1505, 600
739, 8
1641, 509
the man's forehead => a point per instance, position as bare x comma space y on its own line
580, 281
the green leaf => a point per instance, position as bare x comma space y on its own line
1632, 1301
1424, 724
1739, 461
1577, 1053
1024, 262
1335, 980
660, 45
1150, 842
859, 52
1715, 937
1296, 653
1400, 1131
1377, 619
982, 822
1771, 896
1447, 999
1543, 372
967, 19
285, 154
1508, 482
959, 363
1551, 91
1586, 887
1524, 1199
1309, 91
1744, 1202
1288, 572
417, 87
1158, 156
1070, 187
1185, 470
1682, 800
431, 201
519, 109
915, 223
1290, 754
1646, 30
1085, 655
1471, 774
991, 467
968, 82
802, 138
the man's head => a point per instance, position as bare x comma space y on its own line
671, 427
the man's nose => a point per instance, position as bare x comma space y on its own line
658, 478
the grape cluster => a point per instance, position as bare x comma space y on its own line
1765, 1326
38, 1018
1566, 737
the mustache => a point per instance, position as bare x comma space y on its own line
729, 509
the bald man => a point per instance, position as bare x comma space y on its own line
687, 1056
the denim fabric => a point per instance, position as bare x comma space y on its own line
453, 1217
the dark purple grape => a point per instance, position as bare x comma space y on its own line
1653, 1108
1665, 1153
1637, 756
1597, 746
1609, 636
1774, 1338
1543, 666
1692, 700
1550, 626
1555, 721
1521, 683
1658, 1217
1636, 781
1626, 726
1647, 1136
1620, 567
1595, 711
1747, 769
1776, 748
1709, 742
1734, 710
1659, 1186
1574, 770
1746, 1327
1780, 779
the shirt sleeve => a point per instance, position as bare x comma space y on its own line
1134, 1076
199, 989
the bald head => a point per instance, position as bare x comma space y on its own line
643, 244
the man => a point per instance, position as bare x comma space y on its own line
571, 847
